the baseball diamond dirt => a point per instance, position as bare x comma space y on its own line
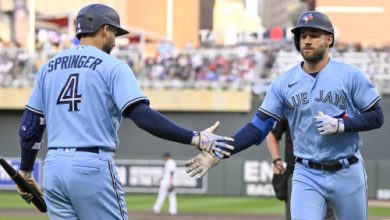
10, 213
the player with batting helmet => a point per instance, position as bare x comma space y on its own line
321, 22
327, 103
83, 93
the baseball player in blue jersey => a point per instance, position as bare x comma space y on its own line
81, 96
327, 103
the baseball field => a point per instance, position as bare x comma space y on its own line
190, 207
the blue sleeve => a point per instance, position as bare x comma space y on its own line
35, 102
32, 127
30, 132
27, 159
157, 124
365, 121
124, 87
253, 132
272, 104
34, 105
364, 94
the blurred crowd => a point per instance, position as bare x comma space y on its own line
223, 68
374, 61
248, 68
16, 66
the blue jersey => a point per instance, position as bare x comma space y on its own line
82, 92
337, 88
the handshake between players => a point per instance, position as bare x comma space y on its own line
213, 149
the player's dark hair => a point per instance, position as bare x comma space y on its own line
93, 34
89, 34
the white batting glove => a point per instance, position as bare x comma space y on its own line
207, 141
328, 125
201, 164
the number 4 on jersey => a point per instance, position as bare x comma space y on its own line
69, 92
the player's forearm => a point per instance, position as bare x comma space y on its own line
31, 131
273, 146
252, 133
368, 120
28, 159
157, 124
247, 136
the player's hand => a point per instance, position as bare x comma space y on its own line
278, 167
30, 179
207, 141
328, 125
201, 164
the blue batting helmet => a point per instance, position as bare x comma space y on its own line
93, 16
312, 19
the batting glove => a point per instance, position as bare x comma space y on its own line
207, 141
329, 125
30, 180
201, 164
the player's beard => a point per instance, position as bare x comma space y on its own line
317, 54
110, 43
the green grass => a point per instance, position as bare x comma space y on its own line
208, 204
23, 218
187, 204
12, 200
379, 211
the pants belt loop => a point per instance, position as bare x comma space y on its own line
345, 162
305, 163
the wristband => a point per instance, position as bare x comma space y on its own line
195, 134
276, 160
195, 138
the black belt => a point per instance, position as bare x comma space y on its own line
329, 166
83, 149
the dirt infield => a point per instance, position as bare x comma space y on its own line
149, 216
9, 213
186, 216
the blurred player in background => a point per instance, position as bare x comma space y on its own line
282, 178
327, 103
167, 186
83, 93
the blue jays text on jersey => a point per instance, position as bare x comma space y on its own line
337, 99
